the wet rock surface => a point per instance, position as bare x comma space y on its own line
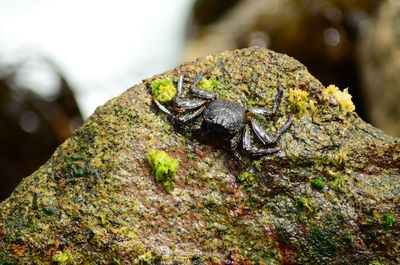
330, 196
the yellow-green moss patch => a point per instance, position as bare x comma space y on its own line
343, 98
208, 84
388, 220
63, 258
163, 89
318, 184
299, 102
245, 178
163, 167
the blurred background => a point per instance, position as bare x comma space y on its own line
59, 60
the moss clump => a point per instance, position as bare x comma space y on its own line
305, 203
146, 258
208, 84
163, 89
257, 165
388, 220
318, 184
343, 98
376, 262
163, 167
340, 159
63, 258
245, 178
340, 180
299, 102
76, 167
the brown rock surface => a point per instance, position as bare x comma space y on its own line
330, 196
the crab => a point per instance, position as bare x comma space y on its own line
224, 119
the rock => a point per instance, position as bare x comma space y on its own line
380, 65
330, 196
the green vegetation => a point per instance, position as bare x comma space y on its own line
299, 102
146, 258
163, 167
343, 98
246, 179
208, 84
340, 180
163, 89
63, 258
257, 165
388, 220
305, 203
376, 262
318, 184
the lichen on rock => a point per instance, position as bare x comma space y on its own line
329, 196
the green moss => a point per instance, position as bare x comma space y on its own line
305, 203
163, 89
63, 258
208, 84
163, 167
340, 181
103, 218
146, 258
75, 168
257, 165
116, 261
299, 102
340, 159
318, 184
245, 178
376, 262
388, 220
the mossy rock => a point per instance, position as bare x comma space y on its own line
96, 201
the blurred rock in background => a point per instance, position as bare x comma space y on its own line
32, 125
322, 34
380, 64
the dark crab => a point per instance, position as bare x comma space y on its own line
224, 119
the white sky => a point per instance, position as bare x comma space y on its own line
103, 47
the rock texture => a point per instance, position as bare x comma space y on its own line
330, 196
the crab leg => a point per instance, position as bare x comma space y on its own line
164, 109
266, 112
234, 145
190, 115
264, 137
179, 88
181, 104
250, 148
198, 92
188, 104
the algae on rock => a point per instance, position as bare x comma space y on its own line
330, 196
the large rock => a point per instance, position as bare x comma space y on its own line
330, 196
